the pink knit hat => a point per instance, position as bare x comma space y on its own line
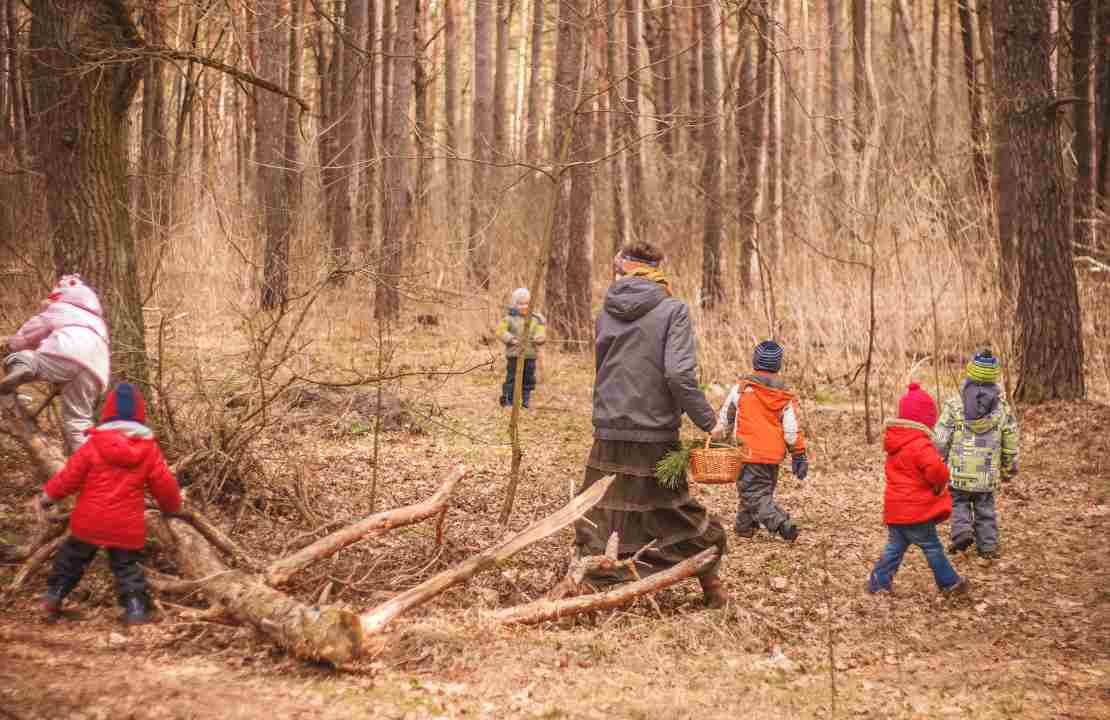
918, 406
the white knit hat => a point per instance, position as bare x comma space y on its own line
520, 296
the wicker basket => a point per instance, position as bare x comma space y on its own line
714, 466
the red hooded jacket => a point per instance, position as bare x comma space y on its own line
916, 476
110, 473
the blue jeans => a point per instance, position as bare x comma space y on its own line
510, 375
899, 540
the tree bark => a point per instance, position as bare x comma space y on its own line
934, 87
1083, 118
617, 124
482, 139
272, 191
860, 91
1103, 96
421, 81
81, 107
750, 121
501, 80
396, 193
450, 105
836, 141
535, 88
693, 74
712, 289
155, 193
546, 609
281, 571
979, 143
16, 86
580, 246
1034, 218
662, 73
773, 249
370, 145
638, 215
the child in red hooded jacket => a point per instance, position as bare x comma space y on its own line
110, 473
916, 495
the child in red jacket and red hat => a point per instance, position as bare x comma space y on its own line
916, 496
110, 473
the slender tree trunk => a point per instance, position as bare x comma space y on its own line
396, 193
712, 289
981, 159
662, 73
370, 145
1103, 134
272, 191
693, 75
482, 139
836, 142
773, 248
1033, 208
638, 216
750, 121
535, 88
291, 160
154, 195
934, 87
617, 124
580, 246
349, 132
389, 62
15, 84
1083, 118
501, 80
81, 109
860, 90
423, 121
450, 105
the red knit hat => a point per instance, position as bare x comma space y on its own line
124, 402
918, 406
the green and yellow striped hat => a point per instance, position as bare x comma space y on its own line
984, 367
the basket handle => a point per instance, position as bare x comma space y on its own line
708, 437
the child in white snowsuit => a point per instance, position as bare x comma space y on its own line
977, 435
65, 344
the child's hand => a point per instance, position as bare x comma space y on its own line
799, 465
718, 430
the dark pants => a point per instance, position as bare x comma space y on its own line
899, 540
510, 374
974, 516
755, 490
73, 558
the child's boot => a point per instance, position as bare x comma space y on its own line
715, 595
958, 545
52, 605
962, 588
134, 611
789, 531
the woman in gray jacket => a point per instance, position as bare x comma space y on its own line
646, 379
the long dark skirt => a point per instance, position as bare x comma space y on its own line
639, 510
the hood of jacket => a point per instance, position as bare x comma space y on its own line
980, 403
72, 290
769, 390
123, 443
900, 433
630, 298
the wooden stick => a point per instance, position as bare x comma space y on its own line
375, 620
38, 557
282, 570
47, 457
546, 609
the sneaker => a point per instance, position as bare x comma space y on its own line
789, 531
715, 595
958, 546
962, 588
51, 606
134, 611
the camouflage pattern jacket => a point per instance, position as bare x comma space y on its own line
982, 452
511, 328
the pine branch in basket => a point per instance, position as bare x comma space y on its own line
670, 472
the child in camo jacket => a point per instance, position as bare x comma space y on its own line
510, 331
977, 435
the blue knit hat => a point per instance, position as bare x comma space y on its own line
984, 367
767, 356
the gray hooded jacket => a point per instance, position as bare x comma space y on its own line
646, 366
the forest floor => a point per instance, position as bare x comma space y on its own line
802, 638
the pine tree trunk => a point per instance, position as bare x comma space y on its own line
154, 194
859, 75
712, 290
566, 146
1083, 119
270, 120
292, 158
396, 192
1103, 130
836, 135
773, 248
662, 74
450, 106
980, 158
535, 88
370, 144
81, 108
617, 125
1034, 217
934, 87
423, 124
693, 75
501, 81
482, 139
750, 120
389, 62
638, 215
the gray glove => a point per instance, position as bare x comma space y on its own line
799, 465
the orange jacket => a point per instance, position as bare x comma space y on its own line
761, 411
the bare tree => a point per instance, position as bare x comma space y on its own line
980, 147
535, 89
616, 125
501, 79
1083, 118
1034, 217
370, 142
658, 36
751, 119
835, 17
270, 154
481, 139
775, 91
450, 104
638, 220
396, 193
712, 290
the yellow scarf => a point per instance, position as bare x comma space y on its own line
635, 269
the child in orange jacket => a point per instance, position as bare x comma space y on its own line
763, 416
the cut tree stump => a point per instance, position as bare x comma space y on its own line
374, 621
282, 570
547, 609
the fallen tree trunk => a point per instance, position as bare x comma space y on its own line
547, 609
329, 633
282, 570
46, 456
374, 621
37, 558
